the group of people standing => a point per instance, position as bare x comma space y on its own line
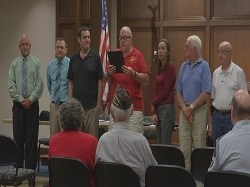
80, 77
196, 90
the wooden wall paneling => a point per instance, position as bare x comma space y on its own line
66, 8
138, 10
95, 23
184, 10
230, 9
85, 9
146, 40
70, 15
69, 35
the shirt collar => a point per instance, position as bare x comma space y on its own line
199, 60
229, 70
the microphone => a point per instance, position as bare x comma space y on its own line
155, 59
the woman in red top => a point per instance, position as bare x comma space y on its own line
71, 142
163, 99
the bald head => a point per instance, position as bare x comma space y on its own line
126, 30
226, 46
241, 106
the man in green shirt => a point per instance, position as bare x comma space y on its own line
25, 87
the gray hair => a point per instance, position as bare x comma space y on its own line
195, 41
121, 115
71, 115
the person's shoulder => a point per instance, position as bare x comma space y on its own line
204, 62
55, 137
237, 67
51, 62
93, 52
67, 59
172, 65
15, 61
184, 64
75, 54
105, 136
136, 51
34, 59
89, 137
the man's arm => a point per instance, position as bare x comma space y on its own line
140, 77
38, 88
12, 86
70, 87
99, 97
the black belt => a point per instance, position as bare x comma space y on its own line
222, 112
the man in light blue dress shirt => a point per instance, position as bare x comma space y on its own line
57, 69
232, 153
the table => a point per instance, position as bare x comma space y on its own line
102, 124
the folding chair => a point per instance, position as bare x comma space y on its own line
200, 162
114, 175
168, 154
226, 179
68, 172
10, 174
168, 175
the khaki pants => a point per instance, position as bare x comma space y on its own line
192, 135
55, 126
91, 121
135, 122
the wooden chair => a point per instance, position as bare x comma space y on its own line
114, 175
10, 174
168, 175
200, 162
168, 154
226, 179
68, 172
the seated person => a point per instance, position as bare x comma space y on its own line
121, 145
232, 152
71, 142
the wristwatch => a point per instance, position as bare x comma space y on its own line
192, 107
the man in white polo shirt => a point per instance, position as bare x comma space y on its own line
227, 79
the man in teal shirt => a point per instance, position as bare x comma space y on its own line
57, 83
25, 87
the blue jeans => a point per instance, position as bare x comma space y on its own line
165, 124
221, 125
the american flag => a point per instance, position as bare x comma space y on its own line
104, 46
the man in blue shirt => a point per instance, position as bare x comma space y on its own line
193, 88
57, 83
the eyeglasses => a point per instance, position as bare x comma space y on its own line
223, 52
125, 38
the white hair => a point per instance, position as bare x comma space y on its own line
195, 41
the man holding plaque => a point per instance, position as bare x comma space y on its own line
134, 74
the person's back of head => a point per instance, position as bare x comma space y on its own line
71, 115
121, 107
240, 106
